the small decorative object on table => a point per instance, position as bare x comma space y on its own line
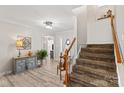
30, 53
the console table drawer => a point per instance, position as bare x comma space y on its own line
31, 63
19, 66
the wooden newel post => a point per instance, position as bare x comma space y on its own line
66, 64
66, 67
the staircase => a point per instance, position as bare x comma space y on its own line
95, 67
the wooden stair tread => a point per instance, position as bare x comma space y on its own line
101, 45
98, 72
91, 81
83, 61
97, 55
76, 81
98, 50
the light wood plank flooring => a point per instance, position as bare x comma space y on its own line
44, 76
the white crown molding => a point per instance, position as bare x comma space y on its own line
15, 23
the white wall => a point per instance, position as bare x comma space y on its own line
8, 35
89, 29
59, 41
98, 31
120, 31
81, 28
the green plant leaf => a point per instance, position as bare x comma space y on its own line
41, 54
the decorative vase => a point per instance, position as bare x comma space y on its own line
40, 63
29, 53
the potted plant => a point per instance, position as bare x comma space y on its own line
41, 54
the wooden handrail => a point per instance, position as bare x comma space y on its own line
116, 44
118, 54
71, 45
65, 65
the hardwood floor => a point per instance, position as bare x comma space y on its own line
44, 76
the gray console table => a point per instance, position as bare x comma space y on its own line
21, 64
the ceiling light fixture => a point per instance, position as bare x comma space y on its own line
48, 24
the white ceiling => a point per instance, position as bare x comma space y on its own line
33, 16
